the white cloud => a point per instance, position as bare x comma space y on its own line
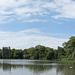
35, 20
65, 9
21, 9
31, 9
23, 39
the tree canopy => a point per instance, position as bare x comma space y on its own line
41, 52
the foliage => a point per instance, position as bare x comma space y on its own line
6, 52
69, 47
67, 52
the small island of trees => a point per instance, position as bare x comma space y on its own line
66, 52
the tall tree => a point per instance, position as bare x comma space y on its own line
69, 47
6, 52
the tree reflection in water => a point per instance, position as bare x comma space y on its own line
61, 68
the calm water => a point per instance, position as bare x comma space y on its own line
36, 67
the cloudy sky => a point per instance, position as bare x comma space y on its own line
26, 23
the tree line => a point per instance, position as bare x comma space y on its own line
41, 52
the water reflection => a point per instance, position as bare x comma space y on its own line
38, 67
6, 67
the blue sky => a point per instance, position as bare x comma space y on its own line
26, 23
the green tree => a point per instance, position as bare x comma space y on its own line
0, 54
18, 54
73, 54
50, 54
69, 47
61, 52
12, 53
6, 52
26, 54
31, 52
55, 54
41, 51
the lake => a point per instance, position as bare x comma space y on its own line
36, 67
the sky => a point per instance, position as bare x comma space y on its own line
27, 23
